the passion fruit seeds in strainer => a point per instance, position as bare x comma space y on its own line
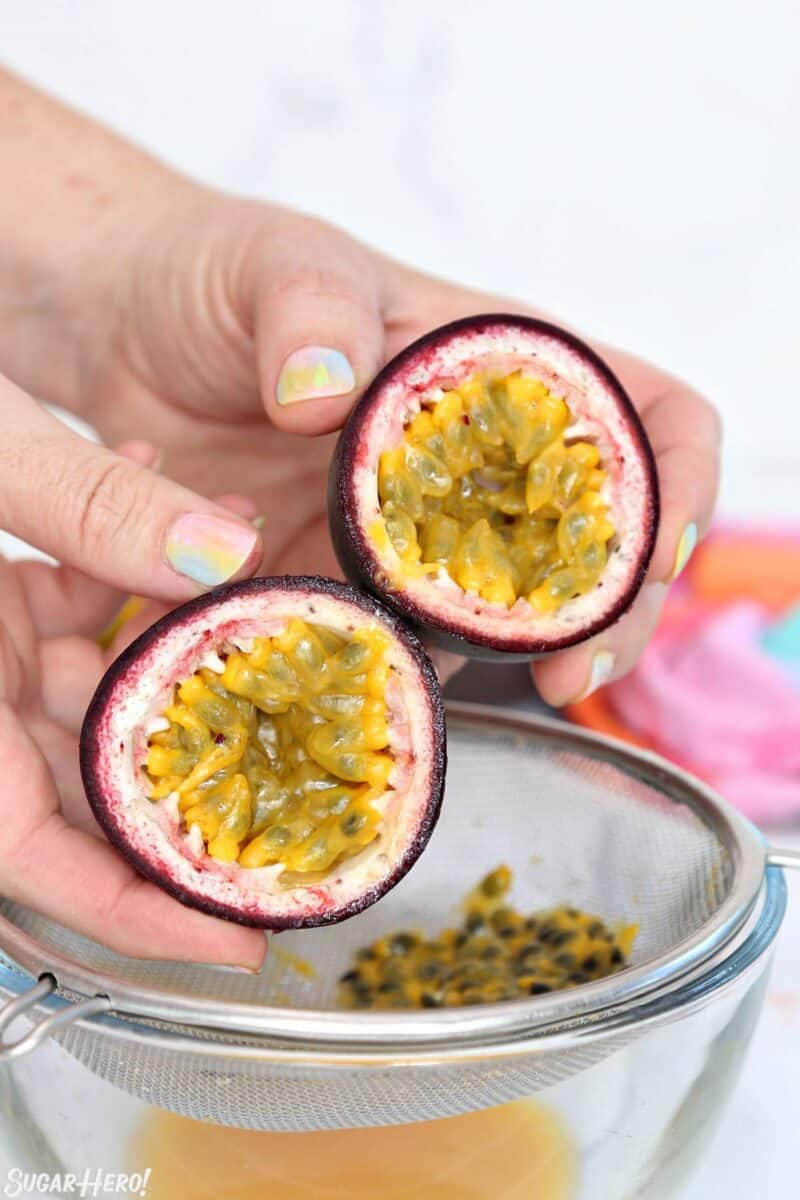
272, 752
496, 488
498, 953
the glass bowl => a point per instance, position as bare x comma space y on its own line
610, 1101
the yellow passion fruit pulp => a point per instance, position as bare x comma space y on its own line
276, 753
484, 486
272, 752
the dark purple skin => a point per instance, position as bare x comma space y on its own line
159, 875
357, 557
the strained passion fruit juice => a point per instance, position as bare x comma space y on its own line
518, 1151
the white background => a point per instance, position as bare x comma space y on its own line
632, 167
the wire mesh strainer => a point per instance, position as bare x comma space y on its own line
578, 818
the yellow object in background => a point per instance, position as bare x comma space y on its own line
130, 609
517, 1151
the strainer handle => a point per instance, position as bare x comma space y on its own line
40, 1032
783, 858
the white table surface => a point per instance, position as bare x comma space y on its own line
631, 167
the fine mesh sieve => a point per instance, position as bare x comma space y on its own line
578, 818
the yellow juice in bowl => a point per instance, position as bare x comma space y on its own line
517, 1151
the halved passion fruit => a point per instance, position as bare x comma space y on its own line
496, 488
272, 752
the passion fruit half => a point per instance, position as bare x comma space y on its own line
272, 752
495, 487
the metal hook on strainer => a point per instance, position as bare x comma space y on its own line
579, 818
50, 1026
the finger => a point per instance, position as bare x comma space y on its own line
71, 670
19, 666
112, 519
319, 328
415, 303
571, 675
82, 882
143, 614
309, 553
243, 506
446, 663
61, 598
684, 432
59, 749
12, 669
123, 613
146, 454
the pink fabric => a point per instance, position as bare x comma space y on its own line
706, 692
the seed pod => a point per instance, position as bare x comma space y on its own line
322, 742
517, 432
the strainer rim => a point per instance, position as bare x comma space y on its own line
460, 1025
671, 1004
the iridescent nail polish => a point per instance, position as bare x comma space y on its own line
601, 672
686, 545
210, 550
312, 373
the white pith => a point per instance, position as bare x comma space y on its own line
154, 829
596, 417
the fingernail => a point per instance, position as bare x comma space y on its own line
312, 373
602, 669
258, 522
686, 545
207, 549
157, 465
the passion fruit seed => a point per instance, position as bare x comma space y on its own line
497, 954
485, 486
279, 755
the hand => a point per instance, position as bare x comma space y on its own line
112, 522
214, 294
153, 307
157, 308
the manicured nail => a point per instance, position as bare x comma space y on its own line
602, 668
207, 549
686, 546
313, 373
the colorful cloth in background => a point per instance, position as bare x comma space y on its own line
718, 689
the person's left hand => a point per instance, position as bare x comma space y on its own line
191, 339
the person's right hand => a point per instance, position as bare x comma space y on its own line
222, 328
116, 528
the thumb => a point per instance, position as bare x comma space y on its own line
319, 330
109, 516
